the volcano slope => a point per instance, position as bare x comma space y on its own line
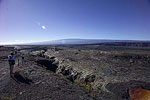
79, 72
108, 71
32, 81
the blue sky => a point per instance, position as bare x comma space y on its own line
43, 20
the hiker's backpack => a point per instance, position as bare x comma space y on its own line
11, 59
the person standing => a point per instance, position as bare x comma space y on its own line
11, 60
22, 58
15, 50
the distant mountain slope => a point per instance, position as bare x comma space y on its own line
79, 41
103, 42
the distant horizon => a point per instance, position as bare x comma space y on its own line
12, 43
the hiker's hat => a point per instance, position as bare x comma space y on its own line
12, 53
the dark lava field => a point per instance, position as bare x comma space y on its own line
74, 72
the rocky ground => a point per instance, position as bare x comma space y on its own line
33, 82
75, 72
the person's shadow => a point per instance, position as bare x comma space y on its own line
21, 79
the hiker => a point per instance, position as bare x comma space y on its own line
11, 60
15, 50
42, 53
22, 58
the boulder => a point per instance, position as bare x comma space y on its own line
139, 94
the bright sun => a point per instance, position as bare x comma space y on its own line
43, 27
